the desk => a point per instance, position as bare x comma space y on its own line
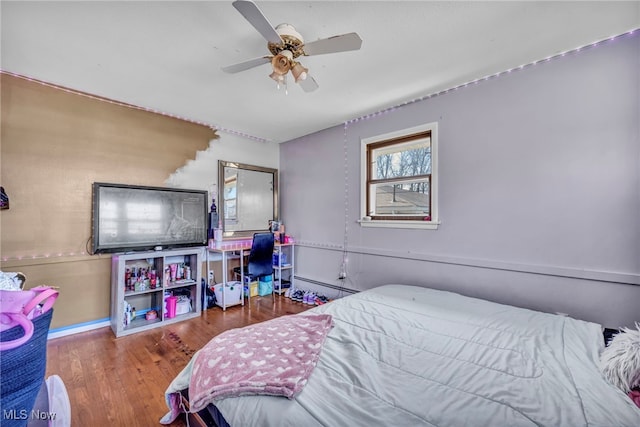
242, 246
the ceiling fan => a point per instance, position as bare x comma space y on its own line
286, 45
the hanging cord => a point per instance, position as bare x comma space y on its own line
87, 246
342, 275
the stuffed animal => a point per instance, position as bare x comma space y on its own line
620, 360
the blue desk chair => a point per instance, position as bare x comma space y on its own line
260, 257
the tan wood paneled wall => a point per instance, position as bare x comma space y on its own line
54, 145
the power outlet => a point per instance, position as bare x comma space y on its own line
342, 275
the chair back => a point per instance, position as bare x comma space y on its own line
261, 255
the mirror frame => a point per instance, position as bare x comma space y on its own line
222, 164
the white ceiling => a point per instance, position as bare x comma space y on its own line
166, 56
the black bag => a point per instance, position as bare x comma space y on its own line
208, 296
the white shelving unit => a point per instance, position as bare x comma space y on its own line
146, 294
284, 268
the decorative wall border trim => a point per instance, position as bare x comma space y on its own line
211, 126
546, 270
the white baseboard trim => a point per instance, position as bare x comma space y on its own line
330, 290
76, 329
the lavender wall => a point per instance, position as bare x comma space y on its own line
539, 191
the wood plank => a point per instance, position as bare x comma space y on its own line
121, 381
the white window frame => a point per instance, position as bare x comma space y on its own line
367, 221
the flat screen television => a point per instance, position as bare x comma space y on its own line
136, 218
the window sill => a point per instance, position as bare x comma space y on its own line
424, 225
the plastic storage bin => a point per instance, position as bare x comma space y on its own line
183, 305
279, 256
250, 288
265, 286
232, 293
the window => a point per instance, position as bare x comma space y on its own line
230, 198
399, 179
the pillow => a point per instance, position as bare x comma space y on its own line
620, 361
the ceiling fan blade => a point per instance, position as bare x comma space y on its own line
245, 65
342, 43
251, 13
308, 84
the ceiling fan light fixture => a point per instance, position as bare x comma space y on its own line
286, 44
282, 62
299, 72
290, 31
279, 78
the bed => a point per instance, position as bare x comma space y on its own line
411, 356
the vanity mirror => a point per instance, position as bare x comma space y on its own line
248, 197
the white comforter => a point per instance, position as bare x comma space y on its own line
410, 356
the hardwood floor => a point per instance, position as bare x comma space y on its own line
121, 381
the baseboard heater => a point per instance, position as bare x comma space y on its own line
326, 285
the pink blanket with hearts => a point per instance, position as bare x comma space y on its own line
274, 358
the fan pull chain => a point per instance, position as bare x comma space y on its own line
284, 84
